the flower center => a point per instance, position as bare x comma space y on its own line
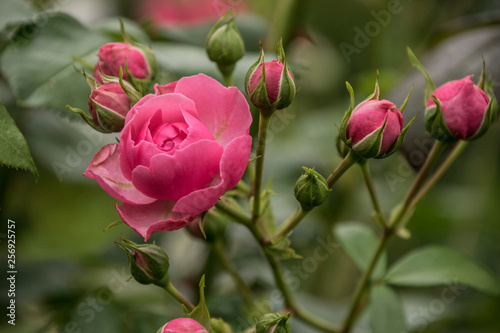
169, 135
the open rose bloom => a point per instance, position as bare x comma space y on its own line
180, 150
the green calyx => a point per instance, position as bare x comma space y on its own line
491, 113
274, 323
311, 189
224, 44
148, 263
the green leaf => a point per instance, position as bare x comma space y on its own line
15, 12
200, 312
40, 69
360, 242
429, 84
434, 265
14, 151
386, 310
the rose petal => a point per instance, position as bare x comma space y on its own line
155, 217
170, 177
232, 167
105, 169
224, 111
165, 89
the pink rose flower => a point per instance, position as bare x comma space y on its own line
183, 325
185, 13
463, 104
108, 105
366, 119
112, 56
180, 150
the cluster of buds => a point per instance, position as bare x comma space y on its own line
270, 85
122, 75
374, 128
148, 263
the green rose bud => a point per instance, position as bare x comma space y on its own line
225, 45
311, 189
218, 325
148, 262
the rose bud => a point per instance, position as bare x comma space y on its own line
458, 110
180, 150
374, 128
108, 105
270, 85
311, 189
225, 45
137, 62
182, 325
148, 262
274, 323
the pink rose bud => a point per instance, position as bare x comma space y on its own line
179, 152
136, 61
270, 85
149, 263
374, 127
463, 106
108, 105
183, 325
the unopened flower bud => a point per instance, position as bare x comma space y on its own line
458, 110
148, 262
374, 128
311, 189
108, 105
274, 323
225, 45
137, 62
270, 85
182, 325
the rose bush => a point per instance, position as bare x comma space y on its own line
180, 150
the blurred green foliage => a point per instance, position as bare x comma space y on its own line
71, 277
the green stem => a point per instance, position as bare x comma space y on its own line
259, 164
228, 80
457, 150
178, 296
232, 212
290, 303
244, 290
406, 205
346, 163
243, 188
363, 283
379, 215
